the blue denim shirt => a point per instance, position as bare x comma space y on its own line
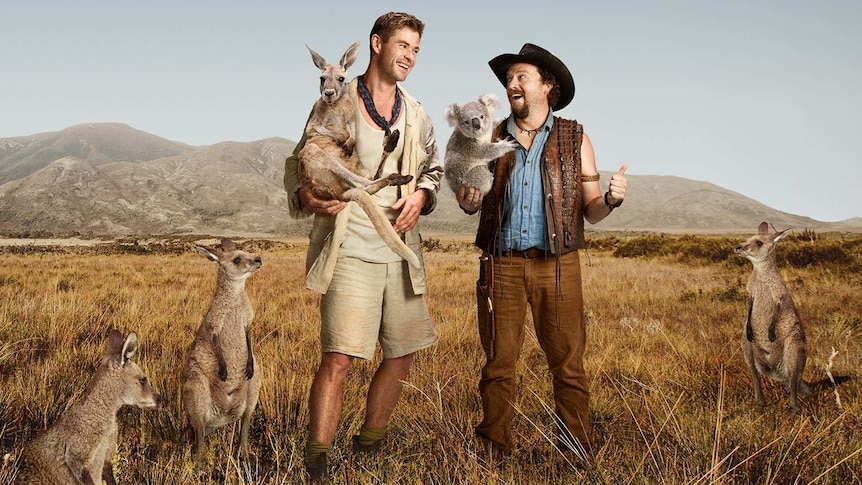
524, 221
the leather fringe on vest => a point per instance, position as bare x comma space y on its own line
561, 184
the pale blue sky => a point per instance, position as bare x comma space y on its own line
762, 98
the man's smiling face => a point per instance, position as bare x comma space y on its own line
525, 89
397, 55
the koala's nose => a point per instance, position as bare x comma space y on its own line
475, 123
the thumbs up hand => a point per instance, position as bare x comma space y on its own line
617, 186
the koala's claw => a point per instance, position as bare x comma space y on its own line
510, 142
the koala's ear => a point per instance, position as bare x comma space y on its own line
490, 101
452, 114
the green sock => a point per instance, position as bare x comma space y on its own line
369, 436
313, 449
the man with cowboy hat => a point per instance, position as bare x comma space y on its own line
531, 226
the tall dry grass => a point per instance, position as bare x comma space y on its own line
671, 398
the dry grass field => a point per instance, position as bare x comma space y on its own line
671, 398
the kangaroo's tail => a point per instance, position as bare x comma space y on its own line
382, 225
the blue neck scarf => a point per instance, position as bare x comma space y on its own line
379, 120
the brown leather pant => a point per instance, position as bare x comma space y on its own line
513, 283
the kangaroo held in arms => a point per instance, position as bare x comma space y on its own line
329, 160
221, 382
774, 340
79, 447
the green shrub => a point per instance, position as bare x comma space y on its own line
643, 246
832, 254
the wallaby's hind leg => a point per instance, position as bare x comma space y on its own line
245, 424
382, 225
748, 352
794, 363
108, 473
392, 179
315, 160
196, 402
389, 145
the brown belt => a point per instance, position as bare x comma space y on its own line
527, 254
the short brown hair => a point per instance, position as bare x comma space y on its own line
554, 93
388, 23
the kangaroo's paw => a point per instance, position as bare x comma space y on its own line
398, 179
391, 142
347, 148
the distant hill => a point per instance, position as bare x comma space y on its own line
114, 180
97, 143
679, 204
227, 188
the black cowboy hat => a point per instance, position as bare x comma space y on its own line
535, 55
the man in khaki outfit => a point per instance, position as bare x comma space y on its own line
370, 294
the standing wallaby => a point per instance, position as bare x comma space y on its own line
329, 160
79, 447
774, 340
220, 381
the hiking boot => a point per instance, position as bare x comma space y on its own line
317, 472
361, 449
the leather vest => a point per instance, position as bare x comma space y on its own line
561, 184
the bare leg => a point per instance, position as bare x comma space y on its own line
325, 400
385, 389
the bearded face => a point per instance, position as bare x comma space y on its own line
526, 90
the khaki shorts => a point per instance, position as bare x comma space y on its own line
371, 302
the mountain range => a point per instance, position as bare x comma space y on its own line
111, 179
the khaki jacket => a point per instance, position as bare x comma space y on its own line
419, 159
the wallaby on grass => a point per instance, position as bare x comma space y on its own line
774, 340
79, 447
221, 383
329, 160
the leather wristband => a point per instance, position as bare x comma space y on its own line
611, 206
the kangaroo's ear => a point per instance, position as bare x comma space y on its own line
318, 60
115, 342
206, 252
781, 235
763, 228
452, 114
228, 245
129, 347
349, 56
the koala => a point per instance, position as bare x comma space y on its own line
470, 148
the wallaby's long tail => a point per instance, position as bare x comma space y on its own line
382, 225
